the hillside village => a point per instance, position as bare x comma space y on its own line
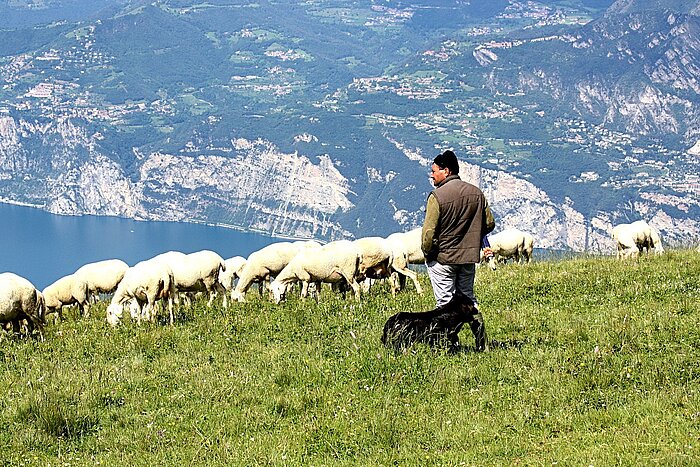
70, 94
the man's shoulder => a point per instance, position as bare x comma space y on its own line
461, 185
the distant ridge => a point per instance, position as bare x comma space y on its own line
320, 118
691, 7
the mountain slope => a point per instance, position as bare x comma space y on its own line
320, 119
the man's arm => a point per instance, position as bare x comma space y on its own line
432, 215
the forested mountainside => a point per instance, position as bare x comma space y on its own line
320, 118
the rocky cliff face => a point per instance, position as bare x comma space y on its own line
569, 126
252, 184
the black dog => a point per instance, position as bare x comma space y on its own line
438, 327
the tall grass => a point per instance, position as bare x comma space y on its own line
594, 362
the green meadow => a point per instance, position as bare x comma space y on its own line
593, 361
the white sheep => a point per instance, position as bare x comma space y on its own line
656, 241
20, 300
411, 242
196, 272
234, 266
101, 277
512, 243
141, 287
381, 258
334, 262
376, 257
632, 239
406, 247
490, 260
267, 262
66, 291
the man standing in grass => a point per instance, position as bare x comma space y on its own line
457, 218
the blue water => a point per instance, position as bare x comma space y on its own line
43, 247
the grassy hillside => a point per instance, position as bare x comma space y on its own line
598, 364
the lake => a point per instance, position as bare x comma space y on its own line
43, 247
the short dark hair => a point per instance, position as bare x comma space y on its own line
447, 160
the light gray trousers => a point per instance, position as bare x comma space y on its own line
446, 279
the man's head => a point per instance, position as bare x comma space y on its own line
444, 165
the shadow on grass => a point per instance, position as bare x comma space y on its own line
493, 346
62, 417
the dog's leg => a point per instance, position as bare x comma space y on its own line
479, 330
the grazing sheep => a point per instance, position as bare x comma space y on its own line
406, 248
656, 241
266, 263
142, 286
632, 239
377, 260
486, 255
376, 257
334, 262
20, 300
440, 326
102, 276
234, 266
512, 243
66, 291
411, 244
399, 265
196, 272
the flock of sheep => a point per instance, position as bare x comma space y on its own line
174, 277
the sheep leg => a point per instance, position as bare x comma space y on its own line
147, 312
16, 327
394, 281
402, 281
350, 279
140, 313
268, 285
163, 307
34, 323
214, 289
153, 311
317, 291
170, 293
221, 289
85, 308
134, 309
411, 275
59, 314
356, 288
238, 294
